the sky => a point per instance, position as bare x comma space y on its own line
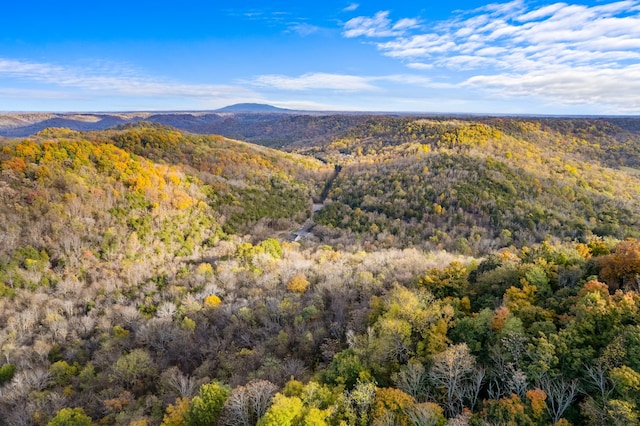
517, 57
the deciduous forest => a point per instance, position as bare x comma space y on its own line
375, 270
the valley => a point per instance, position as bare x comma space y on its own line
276, 267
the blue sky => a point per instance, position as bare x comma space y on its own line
533, 57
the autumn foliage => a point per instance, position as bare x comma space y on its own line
462, 271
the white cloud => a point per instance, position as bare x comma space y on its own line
106, 80
307, 105
409, 79
543, 12
617, 7
568, 53
338, 82
312, 81
378, 26
406, 23
423, 45
569, 85
13, 93
304, 29
506, 9
351, 7
420, 66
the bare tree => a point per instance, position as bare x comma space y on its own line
157, 334
17, 415
166, 310
294, 367
596, 407
248, 403
68, 289
41, 347
36, 378
560, 395
71, 245
425, 414
68, 307
451, 371
59, 329
128, 315
472, 387
185, 386
412, 379
260, 393
597, 377
505, 377
517, 382
86, 325
25, 321
237, 408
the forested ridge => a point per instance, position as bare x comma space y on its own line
476, 186
461, 271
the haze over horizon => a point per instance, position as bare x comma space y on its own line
518, 57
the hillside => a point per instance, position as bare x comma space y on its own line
27, 124
473, 187
70, 197
460, 271
276, 128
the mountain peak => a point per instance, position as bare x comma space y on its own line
252, 107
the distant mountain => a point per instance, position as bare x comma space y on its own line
248, 107
71, 122
25, 124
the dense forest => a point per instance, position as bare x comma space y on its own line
397, 271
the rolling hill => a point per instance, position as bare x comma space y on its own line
149, 276
474, 186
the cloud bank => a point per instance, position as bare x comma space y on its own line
564, 53
48, 81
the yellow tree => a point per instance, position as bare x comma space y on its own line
621, 269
